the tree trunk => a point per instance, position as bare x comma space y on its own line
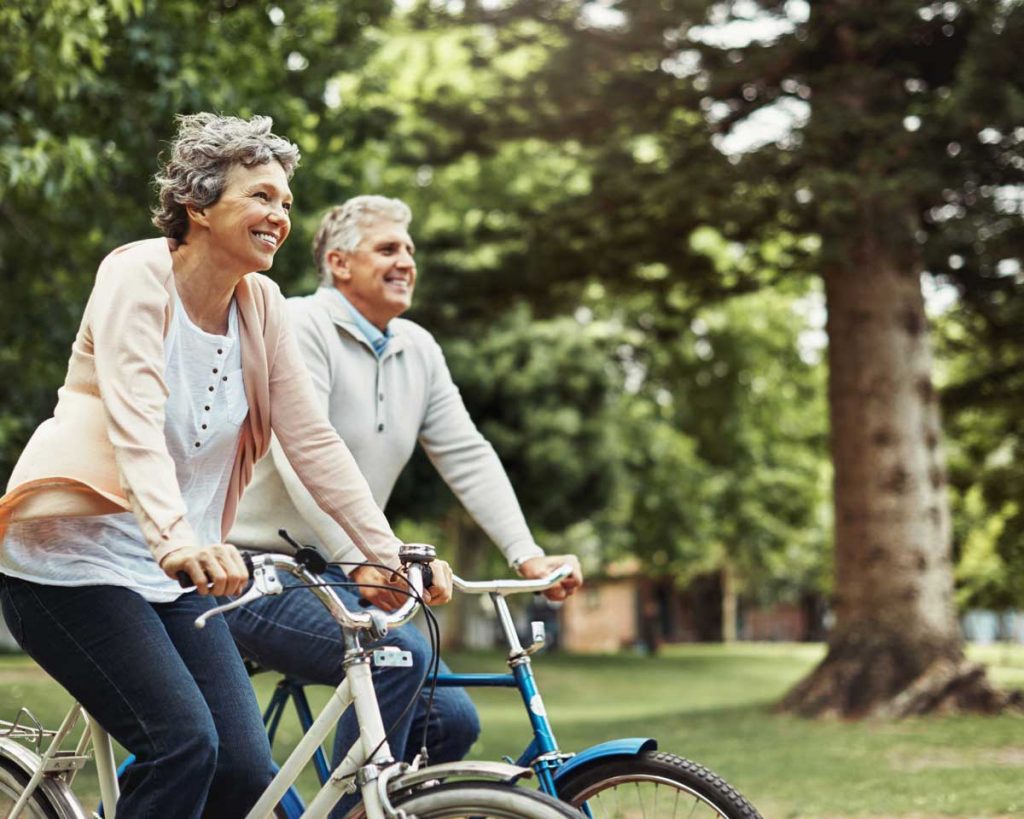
468, 553
730, 597
896, 647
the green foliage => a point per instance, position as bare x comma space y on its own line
545, 391
744, 384
984, 384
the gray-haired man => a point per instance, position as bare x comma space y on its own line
385, 386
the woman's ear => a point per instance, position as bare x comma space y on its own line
197, 215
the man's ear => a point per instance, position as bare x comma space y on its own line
197, 215
337, 263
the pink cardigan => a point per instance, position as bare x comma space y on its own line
104, 450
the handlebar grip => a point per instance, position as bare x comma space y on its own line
184, 580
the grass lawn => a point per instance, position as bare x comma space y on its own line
712, 704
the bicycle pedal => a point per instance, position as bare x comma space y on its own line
392, 657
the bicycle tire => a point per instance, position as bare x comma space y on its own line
456, 800
12, 784
652, 784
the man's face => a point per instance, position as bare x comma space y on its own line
378, 277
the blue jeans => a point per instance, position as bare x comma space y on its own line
293, 633
176, 697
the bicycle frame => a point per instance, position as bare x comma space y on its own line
542, 754
368, 766
356, 689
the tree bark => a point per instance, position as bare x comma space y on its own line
730, 604
468, 553
896, 647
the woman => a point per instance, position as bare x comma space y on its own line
183, 365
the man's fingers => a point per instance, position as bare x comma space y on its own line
556, 593
441, 587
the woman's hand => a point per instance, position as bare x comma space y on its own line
390, 598
216, 569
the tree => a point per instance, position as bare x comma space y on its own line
888, 91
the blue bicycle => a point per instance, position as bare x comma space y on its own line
621, 778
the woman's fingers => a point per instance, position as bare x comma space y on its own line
235, 565
217, 569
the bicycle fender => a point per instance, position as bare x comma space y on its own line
627, 746
61, 795
498, 771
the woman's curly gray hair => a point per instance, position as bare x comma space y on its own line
342, 226
203, 150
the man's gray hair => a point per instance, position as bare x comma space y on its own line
342, 226
203, 150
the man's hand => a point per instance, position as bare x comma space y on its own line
390, 598
537, 567
440, 591
216, 569
370, 577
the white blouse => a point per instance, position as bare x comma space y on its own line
205, 409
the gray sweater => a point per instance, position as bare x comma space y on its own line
381, 408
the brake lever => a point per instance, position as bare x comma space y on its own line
264, 582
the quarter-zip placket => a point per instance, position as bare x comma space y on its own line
378, 391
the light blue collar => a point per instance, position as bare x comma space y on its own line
378, 340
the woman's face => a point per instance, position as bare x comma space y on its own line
251, 219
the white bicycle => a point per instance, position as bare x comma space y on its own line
38, 766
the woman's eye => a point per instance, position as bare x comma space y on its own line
262, 195
287, 207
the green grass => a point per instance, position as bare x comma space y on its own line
713, 704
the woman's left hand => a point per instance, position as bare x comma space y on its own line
216, 569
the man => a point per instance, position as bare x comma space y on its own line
385, 385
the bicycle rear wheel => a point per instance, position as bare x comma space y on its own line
12, 784
456, 800
653, 785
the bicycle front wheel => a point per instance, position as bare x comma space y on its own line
12, 784
457, 800
652, 785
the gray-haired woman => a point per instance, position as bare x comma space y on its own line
183, 365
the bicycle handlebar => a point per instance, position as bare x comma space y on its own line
507, 587
265, 582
